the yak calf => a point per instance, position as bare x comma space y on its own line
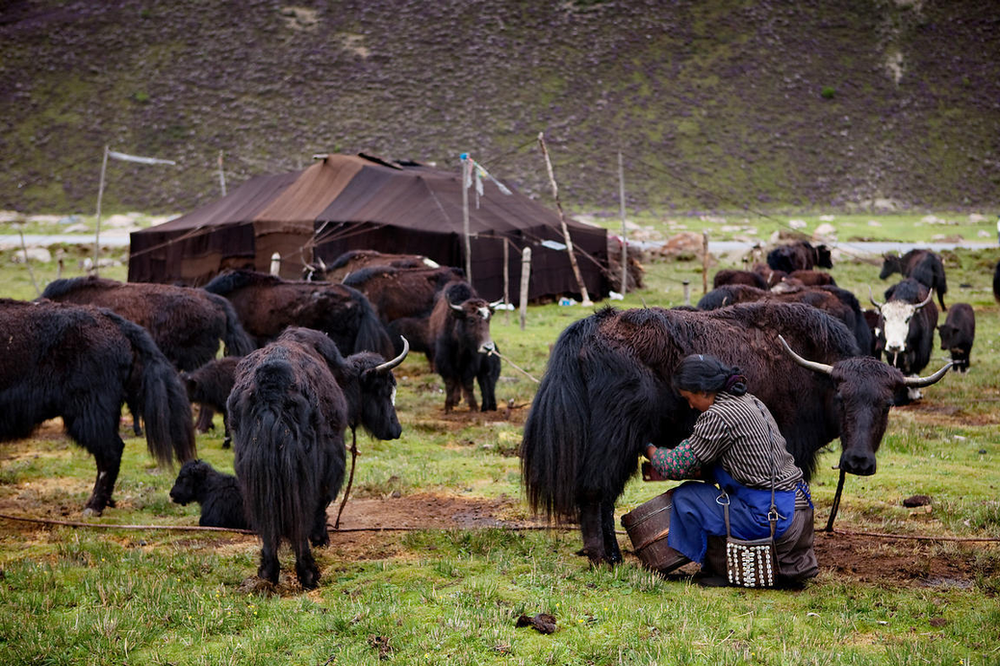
958, 333
210, 386
218, 495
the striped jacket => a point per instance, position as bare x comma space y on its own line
739, 433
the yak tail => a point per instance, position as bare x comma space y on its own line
557, 431
372, 335
275, 472
236, 339
156, 391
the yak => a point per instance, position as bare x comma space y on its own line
811, 278
216, 493
187, 323
82, 363
354, 260
958, 332
607, 393
923, 266
210, 386
906, 326
288, 411
396, 293
840, 303
799, 256
462, 349
731, 276
996, 282
267, 305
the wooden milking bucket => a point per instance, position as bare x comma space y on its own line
647, 526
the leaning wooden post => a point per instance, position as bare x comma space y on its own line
704, 261
525, 276
562, 222
100, 195
621, 199
506, 280
687, 292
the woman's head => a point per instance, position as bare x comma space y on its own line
703, 373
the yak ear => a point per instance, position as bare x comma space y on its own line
330, 352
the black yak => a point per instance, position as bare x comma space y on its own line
958, 332
732, 276
210, 386
799, 256
186, 323
840, 303
463, 350
354, 260
82, 363
396, 293
267, 305
288, 411
607, 393
923, 266
216, 493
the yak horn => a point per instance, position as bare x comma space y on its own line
812, 365
930, 294
495, 304
389, 365
871, 297
918, 382
453, 306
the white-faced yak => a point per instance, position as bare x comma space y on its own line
607, 393
82, 363
288, 411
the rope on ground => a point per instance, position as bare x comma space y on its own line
494, 352
915, 537
200, 528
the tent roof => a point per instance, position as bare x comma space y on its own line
359, 188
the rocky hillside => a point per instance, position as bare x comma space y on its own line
715, 104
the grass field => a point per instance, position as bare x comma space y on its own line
451, 590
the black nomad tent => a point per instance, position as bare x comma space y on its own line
358, 202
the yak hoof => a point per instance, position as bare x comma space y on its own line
309, 577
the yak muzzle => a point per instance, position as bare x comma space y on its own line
861, 464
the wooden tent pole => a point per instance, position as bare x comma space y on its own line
100, 195
621, 199
466, 163
525, 281
562, 222
506, 280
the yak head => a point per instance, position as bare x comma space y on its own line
895, 319
472, 318
190, 483
376, 412
864, 393
890, 264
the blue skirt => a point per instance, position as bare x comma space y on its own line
696, 514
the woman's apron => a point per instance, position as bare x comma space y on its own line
696, 514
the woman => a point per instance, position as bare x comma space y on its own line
737, 444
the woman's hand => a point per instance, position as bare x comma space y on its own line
650, 450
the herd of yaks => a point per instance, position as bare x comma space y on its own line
307, 359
